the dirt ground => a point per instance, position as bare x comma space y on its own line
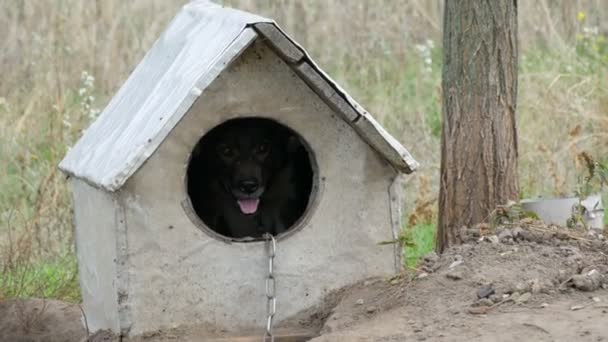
524, 283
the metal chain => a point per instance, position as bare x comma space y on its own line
271, 287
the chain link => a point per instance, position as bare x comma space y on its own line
271, 287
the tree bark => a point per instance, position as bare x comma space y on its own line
479, 136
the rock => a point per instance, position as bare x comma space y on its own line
395, 281
360, 301
432, 257
455, 274
525, 235
371, 309
544, 305
577, 307
484, 302
479, 310
517, 232
422, 275
535, 286
485, 291
597, 244
523, 298
514, 296
596, 299
520, 287
455, 263
505, 234
600, 268
493, 239
495, 298
590, 281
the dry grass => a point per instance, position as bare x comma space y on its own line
63, 59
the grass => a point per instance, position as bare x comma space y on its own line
420, 241
47, 279
63, 60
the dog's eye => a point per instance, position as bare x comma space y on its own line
226, 151
262, 148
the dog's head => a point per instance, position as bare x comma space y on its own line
248, 153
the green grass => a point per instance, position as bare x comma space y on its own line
420, 240
50, 279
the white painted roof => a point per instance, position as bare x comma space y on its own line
198, 45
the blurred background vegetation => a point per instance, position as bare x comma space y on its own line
62, 60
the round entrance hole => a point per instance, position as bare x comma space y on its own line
251, 176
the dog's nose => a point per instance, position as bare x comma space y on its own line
248, 186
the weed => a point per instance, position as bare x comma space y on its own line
421, 242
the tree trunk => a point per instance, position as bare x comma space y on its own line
479, 137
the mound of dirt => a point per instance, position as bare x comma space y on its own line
528, 282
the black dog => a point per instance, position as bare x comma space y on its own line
248, 177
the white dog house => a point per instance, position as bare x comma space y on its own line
147, 261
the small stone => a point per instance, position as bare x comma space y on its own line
360, 301
544, 305
395, 281
411, 322
454, 275
587, 282
370, 309
417, 329
505, 235
521, 287
479, 310
526, 235
422, 275
369, 282
514, 296
432, 257
517, 232
484, 302
493, 239
485, 291
495, 298
455, 263
577, 307
536, 286
523, 298
596, 299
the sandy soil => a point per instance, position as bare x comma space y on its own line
525, 283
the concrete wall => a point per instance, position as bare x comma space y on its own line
96, 217
179, 274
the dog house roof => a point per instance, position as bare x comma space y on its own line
198, 45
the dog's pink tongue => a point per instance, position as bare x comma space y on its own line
248, 206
